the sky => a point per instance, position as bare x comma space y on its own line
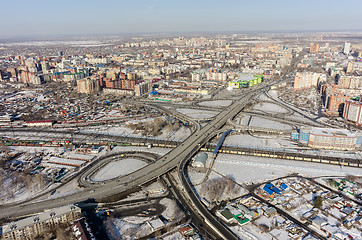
80, 17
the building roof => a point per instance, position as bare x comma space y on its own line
276, 190
283, 186
226, 214
42, 217
246, 78
269, 191
331, 132
201, 157
319, 221
156, 224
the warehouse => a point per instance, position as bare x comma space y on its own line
200, 160
328, 138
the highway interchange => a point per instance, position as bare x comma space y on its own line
177, 158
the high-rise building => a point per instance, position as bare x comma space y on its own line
87, 85
45, 66
143, 88
314, 48
349, 82
347, 48
306, 80
349, 67
128, 84
13, 72
353, 112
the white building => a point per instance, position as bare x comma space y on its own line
347, 48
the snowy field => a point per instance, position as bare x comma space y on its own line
134, 227
197, 114
118, 168
273, 93
245, 140
179, 135
262, 97
265, 123
161, 151
270, 107
246, 169
216, 103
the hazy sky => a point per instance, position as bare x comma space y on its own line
48, 17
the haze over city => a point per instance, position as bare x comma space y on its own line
58, 18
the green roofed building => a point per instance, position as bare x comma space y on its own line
245, 81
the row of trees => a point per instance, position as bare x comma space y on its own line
155, 126
218, 189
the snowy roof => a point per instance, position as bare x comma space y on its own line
246, 78
201, 157
332, 132
49, 214
319, 221
155, 224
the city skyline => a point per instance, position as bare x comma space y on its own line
40, 18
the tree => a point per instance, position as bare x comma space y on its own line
318, 202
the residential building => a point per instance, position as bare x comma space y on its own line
30, 227
346, 48
88, 86
314, 48
353, 112
143, 88
306, 80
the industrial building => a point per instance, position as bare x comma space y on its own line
200, 160
328, 138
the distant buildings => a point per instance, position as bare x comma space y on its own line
314, 48
346, 48
216, 74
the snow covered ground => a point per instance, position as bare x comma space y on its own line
197, 114
266, 123
216, 103
245, 140
270, 107
262, 97
160, 151
118, 168
246, 169
133, 227
273, 93
179, 135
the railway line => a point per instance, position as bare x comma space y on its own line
178, 159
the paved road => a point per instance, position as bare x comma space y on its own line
177, 156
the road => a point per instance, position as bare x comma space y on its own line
148, 173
